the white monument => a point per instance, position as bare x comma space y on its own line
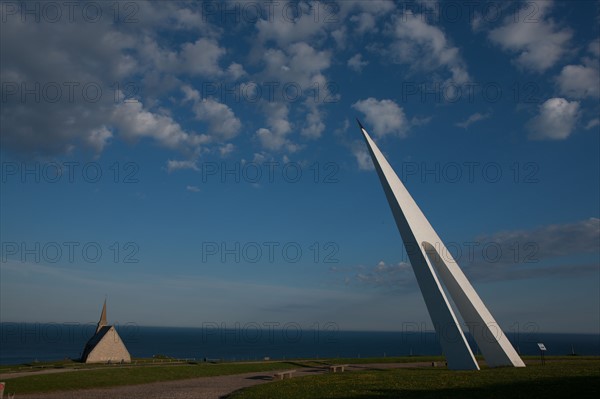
433, 266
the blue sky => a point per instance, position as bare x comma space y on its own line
200, 163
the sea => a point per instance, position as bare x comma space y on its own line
26, 343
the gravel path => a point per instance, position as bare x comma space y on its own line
198, 388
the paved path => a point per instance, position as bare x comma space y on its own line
198, 388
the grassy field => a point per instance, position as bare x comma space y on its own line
561, 376
557, 379
117, 375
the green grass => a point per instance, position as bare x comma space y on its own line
117, 375
73, 364
558, 379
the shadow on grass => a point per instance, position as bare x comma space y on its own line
562, 387
260, 377
297, 364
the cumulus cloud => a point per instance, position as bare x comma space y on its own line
134, 123
554, 240
301, 66
579, 81
275, 138
385, 116
223, 123
199, 58
105, 57
283, 30
386, 275
555, 121
424, 46
531, 34
592, 123
521, 254
98, 138
173, 165
382, 275
314, 126
226, 149
202, 57
71, 101
506, 255
236, 71
193, 189
363, 158
365, 22
356, 62
476, 117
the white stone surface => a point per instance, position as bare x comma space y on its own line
431, 270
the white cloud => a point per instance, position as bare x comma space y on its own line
226, 149
284, 30
536, 245
476, 117
425, 46
592, 123
157, 58
360, 152
556, 120
382, 275
134, 122
222, 121
385, 116
193, 189
306, 63
202, 57
579, 81
270, 140
98, 138
274, 137
339, 35
223, 124
259, 158
300, 66
236, 71
92, 54
477, 22
538, 40
356, 62
314, 126
365, 22
173, 165
190, 94
545, 242
277, 118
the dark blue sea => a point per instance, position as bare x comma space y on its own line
30, 342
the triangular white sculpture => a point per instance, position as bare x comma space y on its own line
422, 245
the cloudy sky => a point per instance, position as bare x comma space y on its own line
200, 162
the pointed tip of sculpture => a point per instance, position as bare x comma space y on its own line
359, 124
